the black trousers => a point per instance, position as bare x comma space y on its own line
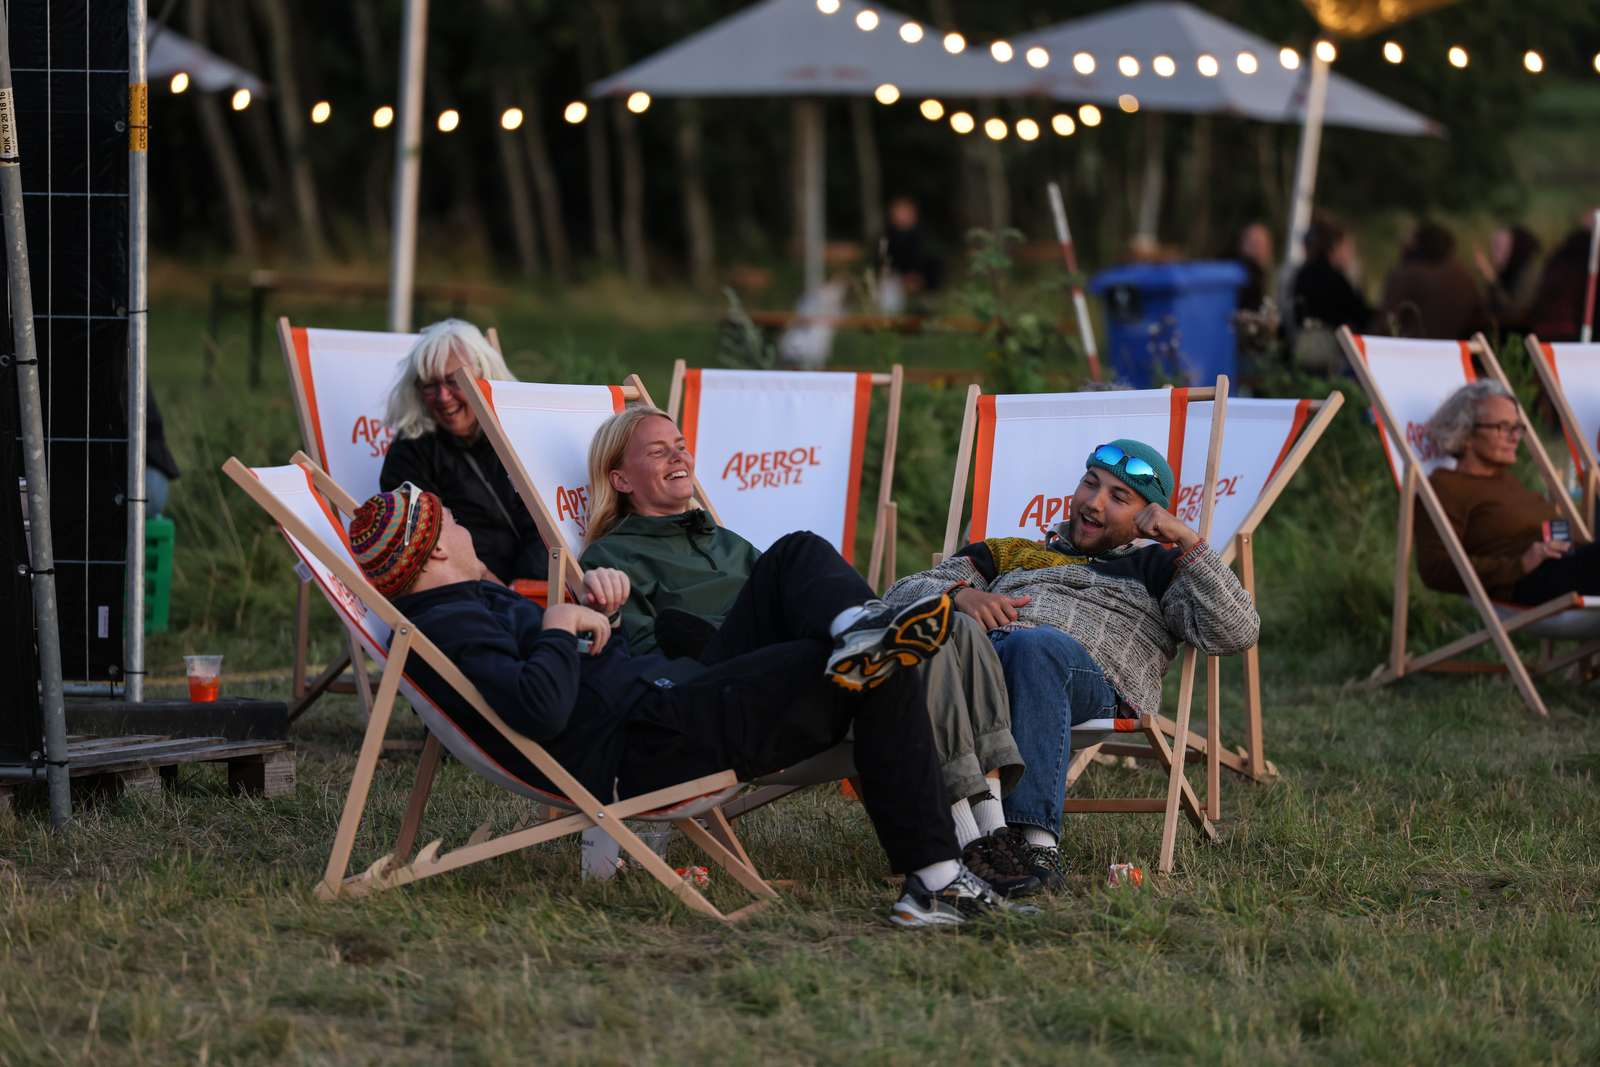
763, 704
1576, 572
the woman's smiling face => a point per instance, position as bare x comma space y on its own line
657, 469
448, 408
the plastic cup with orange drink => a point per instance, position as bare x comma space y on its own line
205, 677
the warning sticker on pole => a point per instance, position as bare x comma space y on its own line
8, 127
138, 117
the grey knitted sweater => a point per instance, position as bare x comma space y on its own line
1129, 608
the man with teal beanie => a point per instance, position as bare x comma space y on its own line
1087, 622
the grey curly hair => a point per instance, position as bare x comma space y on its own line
406, 414
1452, 424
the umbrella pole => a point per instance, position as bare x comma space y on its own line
407, 168
1080, 306
1587, 333
1305, 179
138, 342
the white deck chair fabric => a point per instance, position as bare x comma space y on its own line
1260, 435
1579, 624
343, 378
1577, 368
550, 427
292, 486
1030, 451
779, 451
1415, 378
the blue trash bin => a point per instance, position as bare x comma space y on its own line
1170, 322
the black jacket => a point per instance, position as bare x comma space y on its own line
574, 705
475, 487
1322, 293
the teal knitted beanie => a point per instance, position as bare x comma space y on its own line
1158, 491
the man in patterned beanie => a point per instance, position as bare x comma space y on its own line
626, 725
1087, 623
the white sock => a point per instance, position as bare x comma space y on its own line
966, 827
989, 815
1038, 835
938, 875
994, 787
845, 619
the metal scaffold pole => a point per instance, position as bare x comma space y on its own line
41, 547
407, 167
138, 341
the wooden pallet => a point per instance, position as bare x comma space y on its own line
141, 762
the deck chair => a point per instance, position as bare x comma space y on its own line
1266, 443
302, 499
1407, 380
784, 450
341, 381
1012, 447
1570, 375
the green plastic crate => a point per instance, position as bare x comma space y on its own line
158, 541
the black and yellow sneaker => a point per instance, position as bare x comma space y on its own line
885, 639
968, 897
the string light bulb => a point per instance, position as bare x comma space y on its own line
1001, 51
1597, 62
1083, 63
886, 94
639, 102
1128, 103
1533, 61
383, 117
867, 20
179, 83
1038, 58
1063, 125
962, 122
996, 129
449, 120
910, 32
1393, 52
321, 112
1457, 57
1288, 58
1027, 129
1326, 52
1088, 114
954, 43
511, 118
827, 7
1246, 62
1207, 65
241, 99
1164, 66
932, 110
1128, 66
575, 112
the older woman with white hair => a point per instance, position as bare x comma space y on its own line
439, 447
1503, 525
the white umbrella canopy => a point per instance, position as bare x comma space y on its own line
790, 48
170, 53
1183, 33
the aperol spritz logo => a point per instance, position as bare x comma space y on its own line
1417, 437
1042, 512
345, 597
373, 433
769, 470
1186, 505
573, 504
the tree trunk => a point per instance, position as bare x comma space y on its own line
370, 44
522, 227
869, 171
229, 173
545, 184
601, 216
1153, 185
994, 171
633, 246
697, 223
1197, 178
236, 32
292, 120
1272, 193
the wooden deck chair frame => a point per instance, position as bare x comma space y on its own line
305, 692
881, 559
1583, 448
681, 805
1415, 487
1153, 728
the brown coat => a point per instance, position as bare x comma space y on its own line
1440, 299
1496, 519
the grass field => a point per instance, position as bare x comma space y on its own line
1420, 887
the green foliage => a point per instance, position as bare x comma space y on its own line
1024, 347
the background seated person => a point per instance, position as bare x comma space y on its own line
687, 573
647, 722
1087, 623
1499, 520
439, 447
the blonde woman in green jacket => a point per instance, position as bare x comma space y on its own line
686, 572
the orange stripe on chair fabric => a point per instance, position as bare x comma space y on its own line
983, 464
858, 448
1549, 352
327, 509
488, 392
1176, 426
1125, 726
302, 355
617, 402
691, 408
1302, 413
1377, 418
1467, 370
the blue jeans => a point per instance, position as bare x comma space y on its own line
1053, 685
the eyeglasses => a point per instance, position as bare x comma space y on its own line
1133, 468
1504, 429
413, 507
430, 390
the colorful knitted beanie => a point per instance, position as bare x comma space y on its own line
1157, 491
378, 537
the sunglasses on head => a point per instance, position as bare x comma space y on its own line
1133, 468
413, 507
